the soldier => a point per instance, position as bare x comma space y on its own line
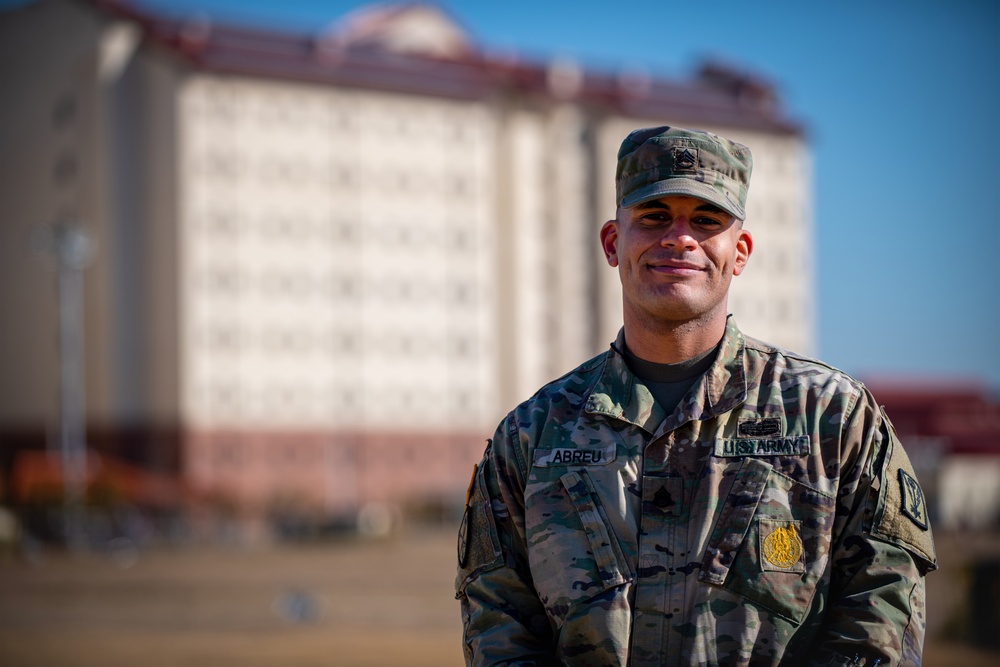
692, 496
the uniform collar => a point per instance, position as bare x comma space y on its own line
621, 395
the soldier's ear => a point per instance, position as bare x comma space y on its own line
744, 246
609, 241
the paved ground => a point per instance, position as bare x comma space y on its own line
358, 604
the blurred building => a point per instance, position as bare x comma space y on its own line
328, 264
951, 430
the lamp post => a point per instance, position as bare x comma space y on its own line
72, 249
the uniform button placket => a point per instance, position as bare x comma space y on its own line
655, 530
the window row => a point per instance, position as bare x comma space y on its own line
777, 158
774, 213
412, 178
772, 309
235, 453
411, 234
778, 260
224, 338
389, 119
232, 282
227, 399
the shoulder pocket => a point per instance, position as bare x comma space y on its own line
478, 541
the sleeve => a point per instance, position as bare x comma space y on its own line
875, 612
504, 623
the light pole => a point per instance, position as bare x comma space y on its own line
72, 249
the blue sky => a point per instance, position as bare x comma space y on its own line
901, 101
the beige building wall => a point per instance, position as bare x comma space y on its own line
318, 292
774, 299
337, 269
338, 254
523, 274
48, 126
86, 139
569, 271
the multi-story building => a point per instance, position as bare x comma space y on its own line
328, 264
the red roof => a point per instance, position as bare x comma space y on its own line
719, 95
963, 413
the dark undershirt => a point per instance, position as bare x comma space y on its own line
668, 383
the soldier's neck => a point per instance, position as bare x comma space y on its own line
673, 342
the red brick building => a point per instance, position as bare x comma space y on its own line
952, 432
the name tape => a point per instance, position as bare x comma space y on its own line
565, 456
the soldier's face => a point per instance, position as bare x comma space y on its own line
676, 257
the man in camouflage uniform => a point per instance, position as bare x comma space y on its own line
692, 496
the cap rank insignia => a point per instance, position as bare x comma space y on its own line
685, 158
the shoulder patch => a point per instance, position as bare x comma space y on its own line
913, 504
901, 513
478, 540
463, 529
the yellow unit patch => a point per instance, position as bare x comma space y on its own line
472, 484
782, 548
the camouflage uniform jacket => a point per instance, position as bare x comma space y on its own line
772, 519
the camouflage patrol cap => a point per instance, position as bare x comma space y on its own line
659, 161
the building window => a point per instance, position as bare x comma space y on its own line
222, 223
345, 343
463, 400
458, 185
461, 239
223, 280
225, 338
461, 293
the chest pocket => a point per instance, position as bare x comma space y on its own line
574, 554
771, 542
